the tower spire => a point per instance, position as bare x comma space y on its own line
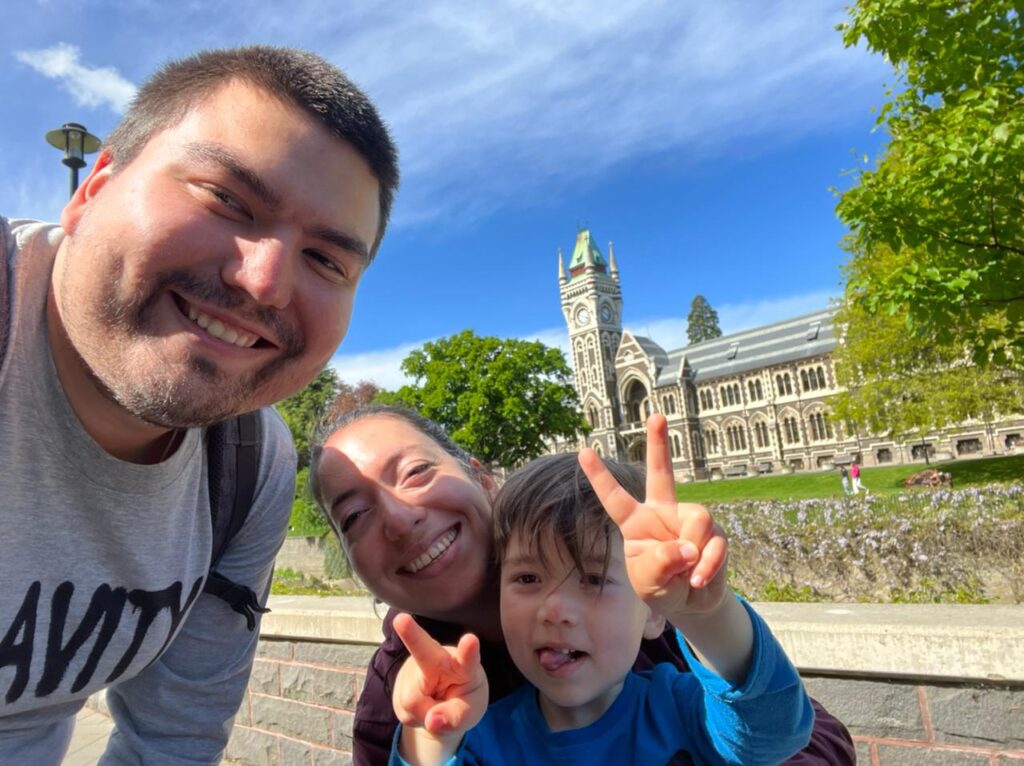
613, 267
561, 268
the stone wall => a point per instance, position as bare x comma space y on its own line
304, 554
915, 684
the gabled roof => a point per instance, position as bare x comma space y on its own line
791, 340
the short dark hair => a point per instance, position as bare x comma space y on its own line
306, 79
335, 421
551, 498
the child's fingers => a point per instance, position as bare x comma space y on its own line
655, 569
616, 501
423, 648
712, 559
447, 716
467, 654
661, 484
696, 524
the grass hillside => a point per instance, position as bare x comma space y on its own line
823, 484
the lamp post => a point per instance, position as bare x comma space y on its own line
76, 142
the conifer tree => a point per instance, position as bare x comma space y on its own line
702, 323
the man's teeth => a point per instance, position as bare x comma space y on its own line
432, 553
218, 329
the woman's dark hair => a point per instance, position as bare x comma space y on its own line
302, 78
551, 499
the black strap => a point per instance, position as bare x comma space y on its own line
232, 450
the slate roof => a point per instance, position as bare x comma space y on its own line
791, 340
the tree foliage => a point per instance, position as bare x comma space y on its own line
702, 321
904, 385
948, 189
500, 399
351, 397
302, 410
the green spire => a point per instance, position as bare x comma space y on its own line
586, 255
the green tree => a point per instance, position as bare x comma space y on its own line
702, 322
900, 384
948, 188
302, 410
498, 398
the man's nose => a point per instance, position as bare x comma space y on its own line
399, 517
265, 269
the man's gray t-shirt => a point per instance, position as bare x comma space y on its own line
103, 560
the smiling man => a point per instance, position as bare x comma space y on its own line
205, 268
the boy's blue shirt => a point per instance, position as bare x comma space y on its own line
660, 717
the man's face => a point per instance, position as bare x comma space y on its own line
215, 272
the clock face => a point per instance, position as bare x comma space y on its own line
606, 314
582, 316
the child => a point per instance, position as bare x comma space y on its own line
580, 588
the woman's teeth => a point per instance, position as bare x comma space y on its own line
432, 553
218, 329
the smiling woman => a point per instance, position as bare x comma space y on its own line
413, 512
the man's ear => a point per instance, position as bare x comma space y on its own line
89, 188
655, 625
486, 479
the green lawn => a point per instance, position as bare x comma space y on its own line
885, 480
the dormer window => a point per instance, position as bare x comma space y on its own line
733, 349
813, 330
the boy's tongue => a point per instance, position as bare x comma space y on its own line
553, 659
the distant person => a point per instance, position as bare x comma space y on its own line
855, 478
844, 479
574, 609
205, 268
413, 512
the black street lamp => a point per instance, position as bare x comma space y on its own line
76, 142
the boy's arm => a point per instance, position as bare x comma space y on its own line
439, 693
675, 556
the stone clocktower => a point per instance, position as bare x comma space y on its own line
592, 306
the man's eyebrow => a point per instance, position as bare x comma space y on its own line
216, 154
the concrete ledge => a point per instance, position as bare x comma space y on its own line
936, 642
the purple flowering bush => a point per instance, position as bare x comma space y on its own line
952, 546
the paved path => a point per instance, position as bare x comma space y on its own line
90, 739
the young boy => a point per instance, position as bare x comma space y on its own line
580, 588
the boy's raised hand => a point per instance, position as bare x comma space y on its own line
442, 689
675, 553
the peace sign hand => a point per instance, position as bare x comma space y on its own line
675, 553
440, 689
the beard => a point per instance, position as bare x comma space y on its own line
117, 335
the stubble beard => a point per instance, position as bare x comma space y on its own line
117, 340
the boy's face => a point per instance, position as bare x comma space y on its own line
572, 639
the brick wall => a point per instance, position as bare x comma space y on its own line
906, 724
302, 696
300, 704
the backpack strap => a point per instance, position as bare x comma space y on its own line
232, 451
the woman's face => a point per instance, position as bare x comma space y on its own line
415, 525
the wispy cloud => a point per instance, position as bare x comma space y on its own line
383, 366
88, 86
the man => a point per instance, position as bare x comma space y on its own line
205, 268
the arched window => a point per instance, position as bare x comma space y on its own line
820, 427
761, 433
597, 449
677, 448
803, 381
758, 389
792, 431
821, 378
782, 383
594, 417
698, 443
711, 441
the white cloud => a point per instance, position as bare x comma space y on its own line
383, 366
88, 86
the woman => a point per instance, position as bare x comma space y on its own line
413, 512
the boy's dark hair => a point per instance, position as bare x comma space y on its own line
551, 499
335, 421
297, 76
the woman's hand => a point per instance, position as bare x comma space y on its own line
440, 693
675, 553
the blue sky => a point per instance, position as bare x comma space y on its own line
701, 137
